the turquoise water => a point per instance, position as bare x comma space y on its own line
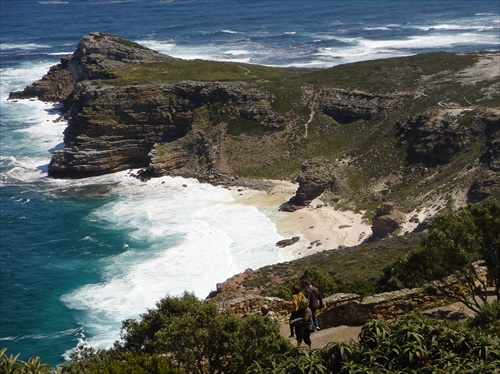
78, 257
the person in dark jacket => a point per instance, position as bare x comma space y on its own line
315, 302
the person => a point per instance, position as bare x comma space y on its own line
297, 298
315, 302
303, 324
264, 309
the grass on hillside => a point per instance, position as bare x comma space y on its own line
359, 264
196, 70
367, 145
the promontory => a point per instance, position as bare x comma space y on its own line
419, 130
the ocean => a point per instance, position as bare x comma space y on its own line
79, 256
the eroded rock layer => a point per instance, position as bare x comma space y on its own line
421, 129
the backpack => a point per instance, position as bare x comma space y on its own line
304, 303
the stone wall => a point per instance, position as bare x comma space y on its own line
250, 304
349, 309
342, 309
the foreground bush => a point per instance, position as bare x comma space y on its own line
187, 335
412, 344
488, 318
10, 364
111, 361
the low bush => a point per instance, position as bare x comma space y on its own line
413, 343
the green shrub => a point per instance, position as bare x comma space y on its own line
488, 318
454, 242
327, 284
91, 361
411, 344
361, 286
199, 338
11, 365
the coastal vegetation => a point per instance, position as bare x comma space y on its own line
413, 343
188, 335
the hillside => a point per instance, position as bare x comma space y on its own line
420, 131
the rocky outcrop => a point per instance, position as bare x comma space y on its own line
55, 86
491, 119
435, 137
315, 177
350, 106
96, 56
387, 220
487, 183
112, 129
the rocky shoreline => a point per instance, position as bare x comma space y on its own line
403, 138
433, 128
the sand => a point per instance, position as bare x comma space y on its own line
319, 226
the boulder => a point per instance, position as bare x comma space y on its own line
316, 175
287, 242
387, 220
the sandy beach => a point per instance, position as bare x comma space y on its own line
319, 226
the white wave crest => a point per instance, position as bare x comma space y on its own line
192, 236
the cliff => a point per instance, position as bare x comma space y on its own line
421, 130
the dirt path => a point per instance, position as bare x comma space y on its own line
323, 337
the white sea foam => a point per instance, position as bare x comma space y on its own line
237, 52
53, 2
35, 128
382, 28
451, 27
165, 46
427, 41
27, 46
205, 52
353, 49
37, 133
59, 53
193, 236
368, 49
15, 79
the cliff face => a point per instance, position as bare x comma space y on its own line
161, 128
411, 130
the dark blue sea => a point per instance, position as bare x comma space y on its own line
79, 256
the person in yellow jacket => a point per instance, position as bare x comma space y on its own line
298, 301
303, 326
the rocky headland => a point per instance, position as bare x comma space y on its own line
395, 137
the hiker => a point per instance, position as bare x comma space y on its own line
264, 309
297, 297
303, 324
315, 302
